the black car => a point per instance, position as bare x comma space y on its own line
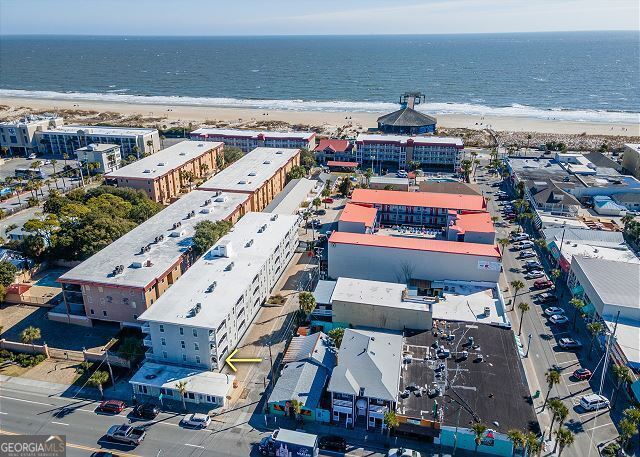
333, 443
146, 411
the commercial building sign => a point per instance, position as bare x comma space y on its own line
33, 445
489, 266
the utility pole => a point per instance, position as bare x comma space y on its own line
528, 346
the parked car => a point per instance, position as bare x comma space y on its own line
197, 420
582, 374
332, 443
126, 434
104, 454
520, 237
547, 298
534, 274
111, 406
146, 411
559, 319
321, 212
532, 265
526, 255
569, 343
327, 200
526, 244
543, 284
553, 311
402, 452
593, 402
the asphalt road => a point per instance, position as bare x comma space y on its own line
590, 428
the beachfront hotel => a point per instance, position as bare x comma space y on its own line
125, 278
199, 320
260, 174
248, 140
107, 156
18, 136
65, 139
397, 151
161, 175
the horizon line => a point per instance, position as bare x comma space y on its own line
310, 35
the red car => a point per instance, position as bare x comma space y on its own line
582, 374
327, 200
542, 284
112, 406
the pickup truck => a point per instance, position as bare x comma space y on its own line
126, 434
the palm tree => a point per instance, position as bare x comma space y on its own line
523, 307
136, 151
533, 444
368, 173
622, 375
296, 405
564, 438
316, 203
29, 335
517, 438
555, 274
204, 168
478, 430
552, 377
595, 328
555, 405
307, 302
326, 193
99, 378
150, 144
503, 242
517, 286
391, 421
181, 387
578, 306
55, 176
466, 169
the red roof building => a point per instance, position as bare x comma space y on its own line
357, 219
471, 227
331, 149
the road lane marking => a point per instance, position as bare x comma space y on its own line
59, 423
3, 414
27, 401
194, 445
609, 424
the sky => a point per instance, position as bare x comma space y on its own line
312, 17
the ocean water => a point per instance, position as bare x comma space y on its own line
584, 76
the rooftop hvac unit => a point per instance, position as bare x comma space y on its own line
176, 225
274, 217
221, 198
162, 164
177, 233
206, 210
230, 267
242, 181
195, 310
249, 243
141, 263
159, 238
183, 154
207, 202
216, 193
253, 173
266, 162
262, 228
212, 287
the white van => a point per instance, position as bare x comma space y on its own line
593, 402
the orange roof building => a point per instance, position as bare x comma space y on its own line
471, 227
357, 219
417, 208
403, 260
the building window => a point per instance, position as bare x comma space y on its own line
92, 311
167, 392
163, 341
197, 359
164, 354
195, 333
182, 344
135, 316
142, 389
196, 346
161, 328
181, 331
184, 357
104, 313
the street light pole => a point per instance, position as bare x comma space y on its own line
528, 346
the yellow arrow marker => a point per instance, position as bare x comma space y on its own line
230, 360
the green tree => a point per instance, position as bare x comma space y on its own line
632, 415
336, 335
555, 405
181, 387
131, 349
564, 438
231, 155
478, 430
391, 421
296, 172
595, 328
578, 306
207, 233
533, 444
307, 158
29, 335
307, 302
503, 242
8, 273
517, 438
466, 169
345, 187
552, 376
622, 375
555, 274
316, 203
326, 193
33, 246
368, 174
517, 286
98, 379
627, 429
523, 307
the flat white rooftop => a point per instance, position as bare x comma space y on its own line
163, 254
376, 293
571, 248
389, 180
164, 161
98, 147
248, 248
31, 119
99, 130
250, 172
253, 134
167, 376
466, 302
418, 140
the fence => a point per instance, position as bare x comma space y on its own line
24, 348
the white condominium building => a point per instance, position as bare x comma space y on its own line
428, 151
248, 140
19, 136
203, 316
66, 139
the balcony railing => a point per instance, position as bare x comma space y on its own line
146, 328
147, 342
343, 403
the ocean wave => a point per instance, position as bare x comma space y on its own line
514, 110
